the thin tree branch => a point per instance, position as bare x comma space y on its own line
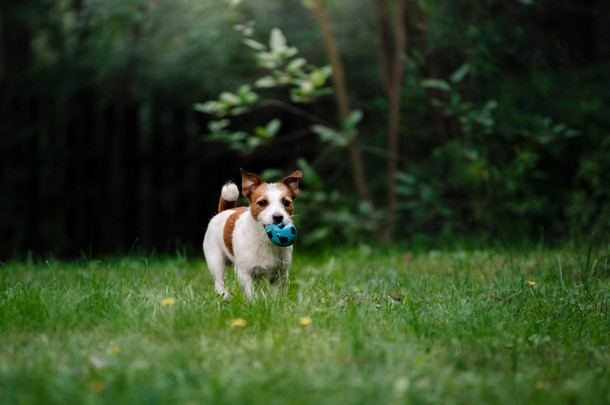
271, 102
394, 121
332, 52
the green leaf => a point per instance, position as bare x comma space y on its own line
318, 77
436, 84
327, 70
268, 60
211, 107
230, 98
296, 65
310, 177
261, 132
277, 41
253, 143
296, 98
246, 95
460, 74
266, 82
406, 178
273, 126
269, 130
306, 87
559, 128
247, 29
257, 46
250, 98
205, 107
290, 51
572, 133
352, 120
284, 79
491, 105
329, 135
323, 91
238, 110
217, 126
365, 207
243, 89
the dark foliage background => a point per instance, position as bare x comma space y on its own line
101, 150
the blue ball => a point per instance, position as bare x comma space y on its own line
281, 234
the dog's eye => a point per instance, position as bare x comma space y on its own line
286, 203
263, 203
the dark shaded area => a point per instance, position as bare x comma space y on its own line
102, 152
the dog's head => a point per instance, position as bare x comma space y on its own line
270, 203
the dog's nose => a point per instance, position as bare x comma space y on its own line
278, 219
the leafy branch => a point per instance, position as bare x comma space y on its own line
284, 68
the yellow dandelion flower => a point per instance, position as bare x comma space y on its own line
115, 349
530, 282
304, 321
239, 322
168, 301
97, 386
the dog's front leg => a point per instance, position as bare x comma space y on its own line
278, 281
245, 280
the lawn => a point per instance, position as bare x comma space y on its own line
360, 327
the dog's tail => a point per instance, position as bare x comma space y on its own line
228, 197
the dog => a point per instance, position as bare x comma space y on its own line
237, 234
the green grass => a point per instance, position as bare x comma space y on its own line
436, 327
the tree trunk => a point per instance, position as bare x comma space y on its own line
431, 69
386, 54
393, 61
334, 57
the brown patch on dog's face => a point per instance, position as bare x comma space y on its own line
258, 200
286, 199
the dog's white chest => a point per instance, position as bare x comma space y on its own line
254, 252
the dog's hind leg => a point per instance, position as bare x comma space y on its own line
278, 282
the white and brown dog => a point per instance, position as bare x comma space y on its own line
238, 234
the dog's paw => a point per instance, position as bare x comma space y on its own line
230, 192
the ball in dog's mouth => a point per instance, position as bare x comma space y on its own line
281, 234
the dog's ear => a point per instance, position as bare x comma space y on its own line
249, 182
292, 182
